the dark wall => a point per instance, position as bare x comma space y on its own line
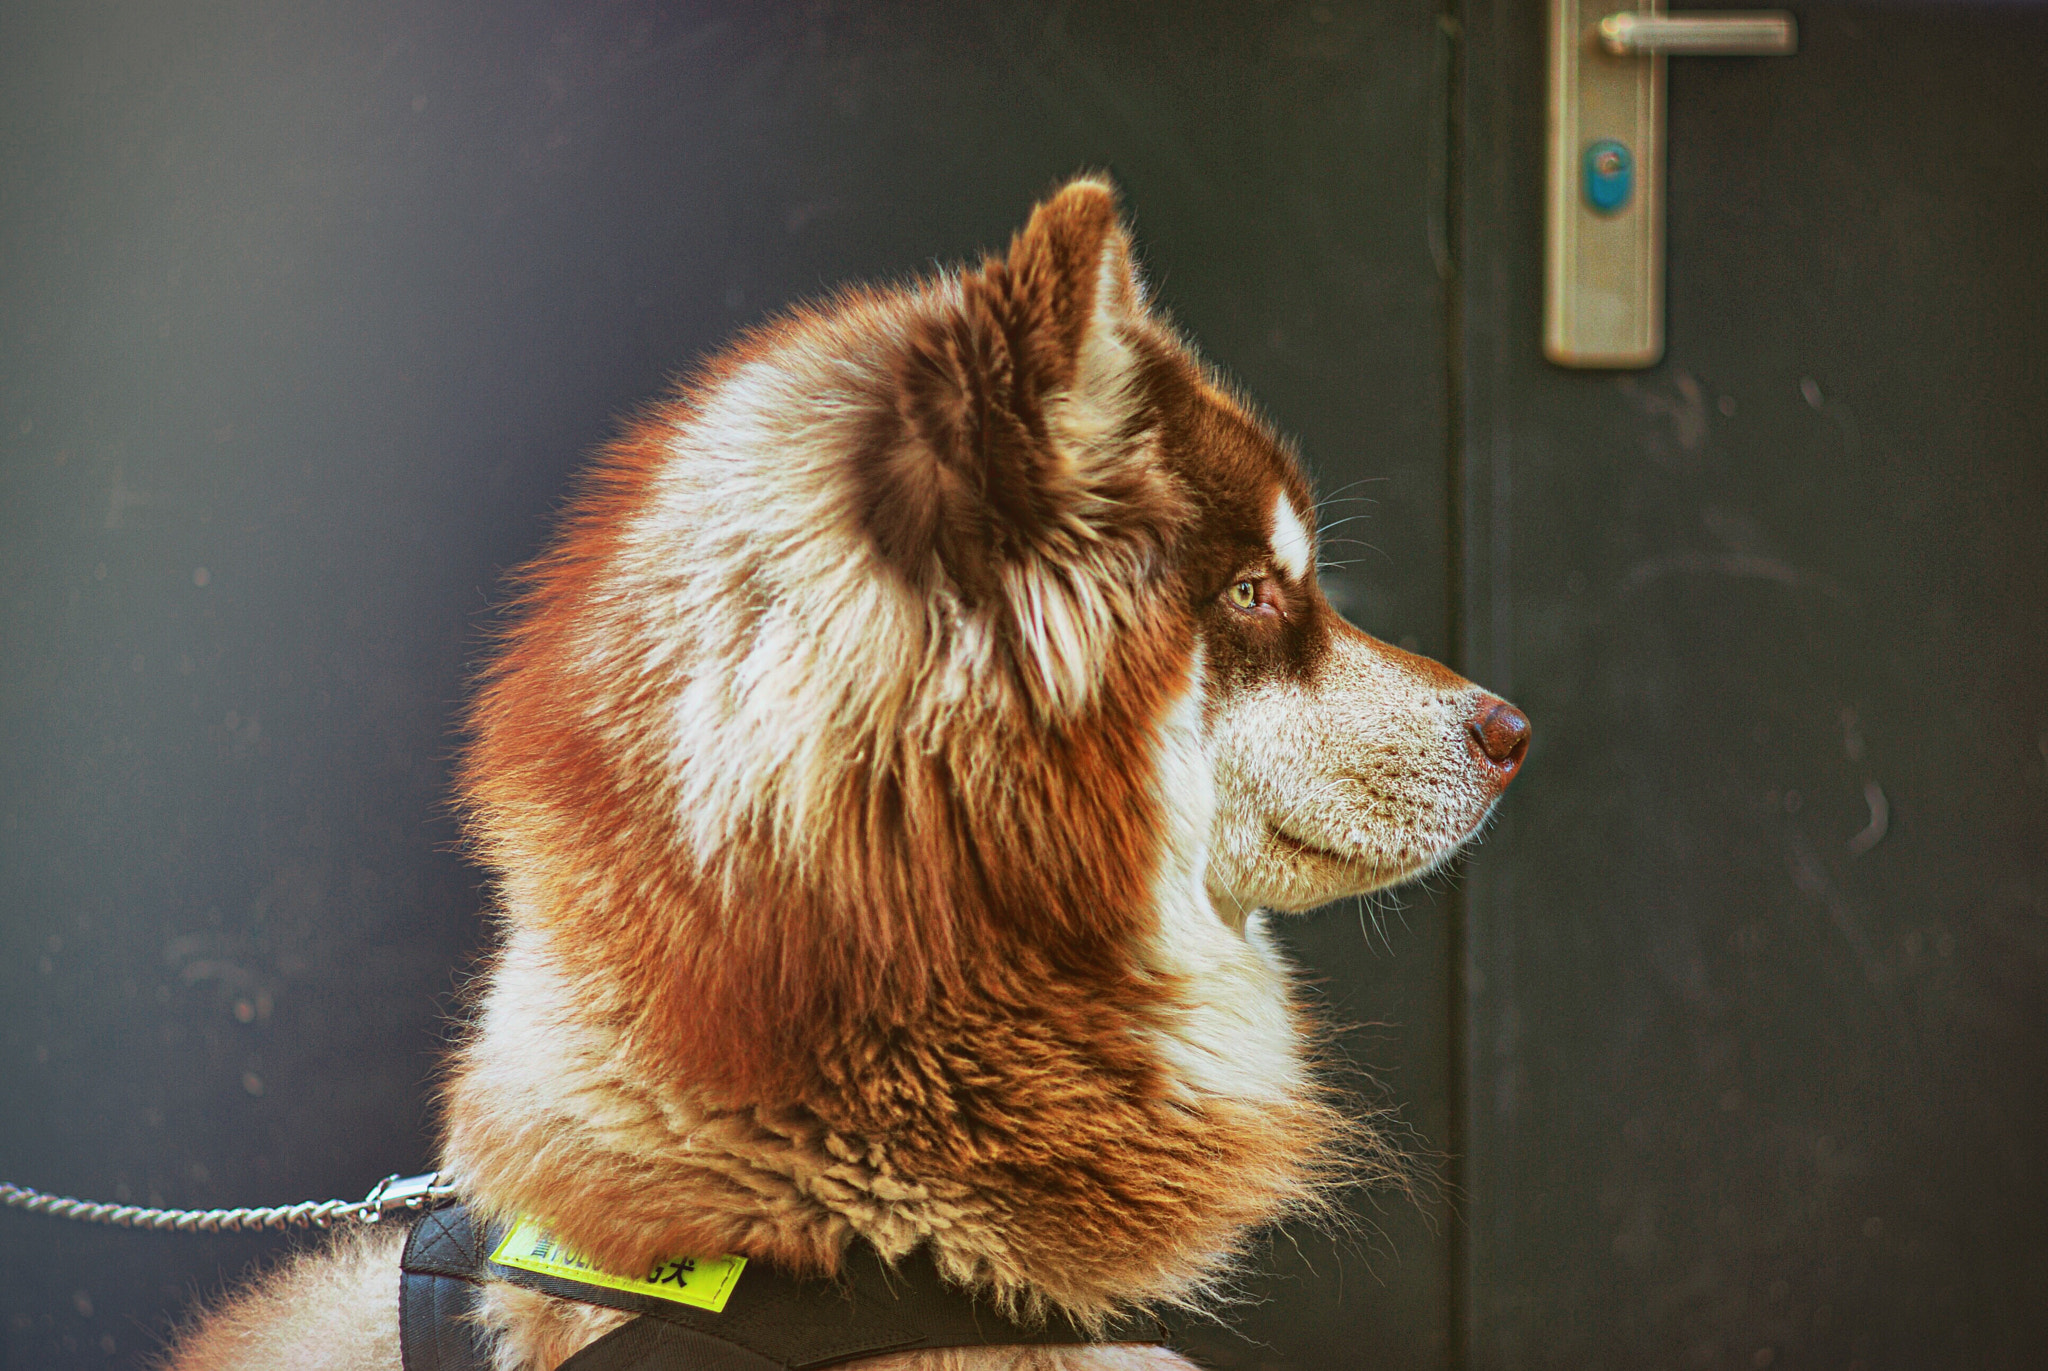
310, 312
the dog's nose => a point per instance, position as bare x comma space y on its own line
1501, 733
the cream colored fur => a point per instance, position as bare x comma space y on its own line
1290, 540
328, 1309
1358, 781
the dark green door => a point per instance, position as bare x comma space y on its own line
1757, 965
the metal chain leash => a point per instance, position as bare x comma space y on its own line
393, 1193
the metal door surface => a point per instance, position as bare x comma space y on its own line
1757, 965
311, 312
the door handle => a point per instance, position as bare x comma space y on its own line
1603, 302
1768, 33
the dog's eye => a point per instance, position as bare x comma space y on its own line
1244, 594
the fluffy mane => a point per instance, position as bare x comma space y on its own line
843, 779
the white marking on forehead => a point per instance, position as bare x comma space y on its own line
1290, 538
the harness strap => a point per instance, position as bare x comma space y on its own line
648, 1344
770, 1321
437, 1327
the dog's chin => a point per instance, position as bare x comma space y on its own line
1302, 873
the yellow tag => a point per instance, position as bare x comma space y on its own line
704, 1282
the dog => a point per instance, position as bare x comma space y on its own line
888, 780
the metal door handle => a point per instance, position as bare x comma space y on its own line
1765, 33
1604, 271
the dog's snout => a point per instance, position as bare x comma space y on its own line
1501, 734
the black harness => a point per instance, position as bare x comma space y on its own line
770, 1321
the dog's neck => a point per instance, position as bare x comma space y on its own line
998, 1015
1045, 1180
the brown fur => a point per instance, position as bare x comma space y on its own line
877, 778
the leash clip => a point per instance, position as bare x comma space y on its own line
397, 1192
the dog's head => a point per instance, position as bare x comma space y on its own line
1061, 473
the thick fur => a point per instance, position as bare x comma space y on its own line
884, 780
332, 1309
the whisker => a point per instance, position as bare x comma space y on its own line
1364, 935
1379, 908
1355, 542
1242, 913
1352, 485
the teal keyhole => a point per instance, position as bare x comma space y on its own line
1610, 175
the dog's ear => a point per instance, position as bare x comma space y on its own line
1016, 411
